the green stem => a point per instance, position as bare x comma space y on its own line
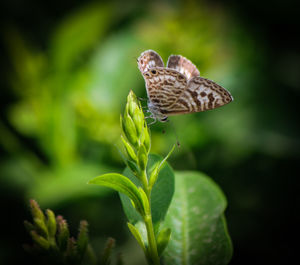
153, 254
151, 240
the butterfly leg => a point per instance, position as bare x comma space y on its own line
142, 99
152, 122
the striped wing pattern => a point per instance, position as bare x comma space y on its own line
178, 88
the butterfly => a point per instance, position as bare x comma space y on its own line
178, 88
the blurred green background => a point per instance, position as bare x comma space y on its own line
66, 69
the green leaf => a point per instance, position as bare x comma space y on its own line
121, 184
158, 167
135, 232
163, 239
161, 196
196, 218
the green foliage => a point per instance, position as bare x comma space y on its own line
52, 243
196, 217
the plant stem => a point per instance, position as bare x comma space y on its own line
153, 254
151, 240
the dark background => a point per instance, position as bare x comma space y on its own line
250, 147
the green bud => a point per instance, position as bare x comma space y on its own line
132, 103
82, 239
142, 158
147, 140
63, 233
110, 244
130, 130
36, 211
130, 151
39, 240
41, 226
138, 119
51, 223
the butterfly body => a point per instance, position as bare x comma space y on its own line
178, 88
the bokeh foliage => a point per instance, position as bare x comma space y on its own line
65, 91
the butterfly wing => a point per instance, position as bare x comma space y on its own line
200, 94
164, 86
149, 59
183, 65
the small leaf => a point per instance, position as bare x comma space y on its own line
196, 217
121, 184
135, 232
158, 167
163, 240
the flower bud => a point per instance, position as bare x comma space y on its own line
82, 239
39, 240
36, 211
132, 103
63, 233
147, 140
138, 119
130, 130
51, 223
142, 157
130, 151
41, 226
